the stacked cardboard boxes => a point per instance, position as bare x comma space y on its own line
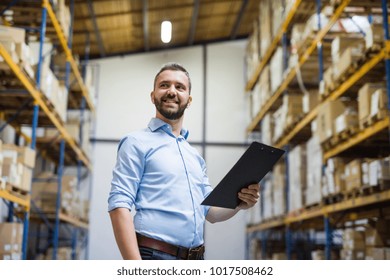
314, 171
17, 167
279, 189
267, 200
11, 241
377, 238
45, 191
372, 101
276, 68
353, 245
13, 39
297, 177
265, 24
334, 177
287, 114
267, 127
327, 113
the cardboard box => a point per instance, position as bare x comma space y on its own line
377, 239
347, 254
341, 42
387, 253
373, 253
297, 177
353, 174
374, 36
327, 114
13, 34
335, 176
279, 189
45, 190
353, 240
267, 128
347, 59
310, 100
346, 121
25, 154
276, 68
378, 170
379, 101
265, 26
268, 200
314, 171
26, 179
11, 235
364, 101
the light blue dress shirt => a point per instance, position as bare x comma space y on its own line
165, 179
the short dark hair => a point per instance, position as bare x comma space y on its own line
175, 67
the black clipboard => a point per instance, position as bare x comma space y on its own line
253, 165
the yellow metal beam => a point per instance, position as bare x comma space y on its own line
74, 221
252, 82
359, 137
68, 52
63, 218
304, 122
37, 95
25, 203
358, 202
267, 225
305, 56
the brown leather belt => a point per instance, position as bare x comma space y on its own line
182, 252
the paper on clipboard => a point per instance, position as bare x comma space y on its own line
253, 165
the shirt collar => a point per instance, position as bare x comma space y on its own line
156, 123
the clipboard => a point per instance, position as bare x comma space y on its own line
252, 166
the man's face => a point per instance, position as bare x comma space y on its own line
171, 94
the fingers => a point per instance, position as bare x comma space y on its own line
249, 195
251, 190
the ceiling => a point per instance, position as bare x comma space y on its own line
117, 27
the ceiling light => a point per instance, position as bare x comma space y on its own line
166, 31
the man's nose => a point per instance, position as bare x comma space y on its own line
171, 90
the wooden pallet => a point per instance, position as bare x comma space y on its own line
333, 198
16, 191
371, 120
340, 137
314, 206
384, 184
367, 190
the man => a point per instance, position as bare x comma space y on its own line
159, 173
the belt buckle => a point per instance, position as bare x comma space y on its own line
195, 253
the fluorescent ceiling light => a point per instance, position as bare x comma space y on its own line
166, 31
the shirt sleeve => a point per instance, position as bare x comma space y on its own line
207, 187
126, 175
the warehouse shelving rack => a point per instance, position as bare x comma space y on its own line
347, 210
55, 149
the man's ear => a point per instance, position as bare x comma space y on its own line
189, 101
152, 96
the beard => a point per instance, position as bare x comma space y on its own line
170, 114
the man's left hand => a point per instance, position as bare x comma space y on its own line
249, 196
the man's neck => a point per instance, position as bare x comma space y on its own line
176, 125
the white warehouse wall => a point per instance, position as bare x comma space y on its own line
124, 105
